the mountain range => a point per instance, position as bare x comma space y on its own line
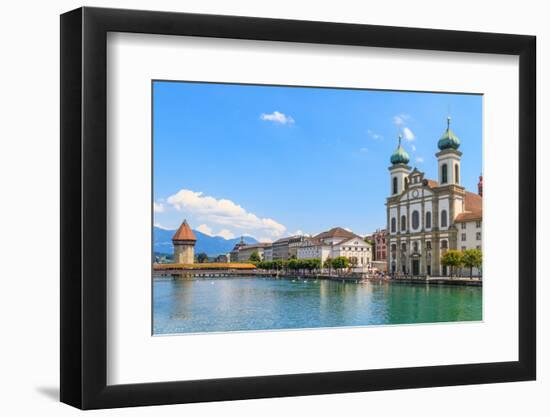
211, 245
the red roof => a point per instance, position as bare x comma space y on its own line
473, 208
432, 183
336, 232
184, 233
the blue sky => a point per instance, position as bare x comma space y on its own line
270, 161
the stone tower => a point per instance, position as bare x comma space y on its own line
184, 244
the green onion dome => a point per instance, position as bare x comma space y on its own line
449, 140
399, 156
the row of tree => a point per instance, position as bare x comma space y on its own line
469, 258
309, 265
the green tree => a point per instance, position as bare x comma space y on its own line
453, 259
255, 257
328, 264
202, 258
314, 264
472, 258
293, 264
265, 265
340, 263
278, 264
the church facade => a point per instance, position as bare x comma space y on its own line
425, 218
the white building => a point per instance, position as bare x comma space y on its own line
334, 243
426, 218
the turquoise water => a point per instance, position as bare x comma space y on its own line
237, 304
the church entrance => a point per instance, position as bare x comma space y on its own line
415, 267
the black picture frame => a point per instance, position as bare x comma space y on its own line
84, 207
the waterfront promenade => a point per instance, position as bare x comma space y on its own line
222, 270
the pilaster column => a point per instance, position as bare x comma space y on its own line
435, 237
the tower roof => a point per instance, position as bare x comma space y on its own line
184, 233
399, 156
448, 140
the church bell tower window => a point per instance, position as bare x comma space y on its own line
444, 174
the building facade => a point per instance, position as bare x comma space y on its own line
234, 254
287, 247
222, 258
379, 247
425, 217
334, 243
184, 244
268, 253
246, 251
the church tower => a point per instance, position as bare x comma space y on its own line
399, 170
480, 186
448, 157
184, 244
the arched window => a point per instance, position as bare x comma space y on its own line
394, 185
393, 226
457, 179
428, 220
415, 219
403, 223
443, 218
444, 174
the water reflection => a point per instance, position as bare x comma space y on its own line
229, 304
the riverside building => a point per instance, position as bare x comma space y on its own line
334, 243
287, 247
425, 218
247, 250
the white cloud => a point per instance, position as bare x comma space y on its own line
419, 159
160, 226
413, 148
400, 119
224, 212
363, 150
226, 234
408, 134
277, 117
374, 135
207, 230
158, 207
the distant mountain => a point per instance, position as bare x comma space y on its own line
211, 245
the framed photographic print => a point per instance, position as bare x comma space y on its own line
258, 207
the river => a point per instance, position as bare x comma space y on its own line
240, 304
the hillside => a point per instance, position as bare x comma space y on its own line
211, 245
